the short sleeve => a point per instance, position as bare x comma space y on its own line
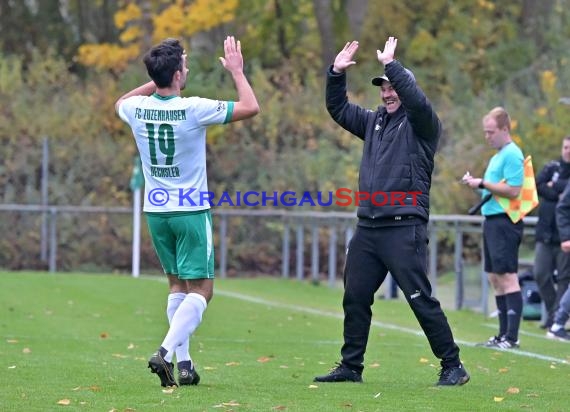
208, 112
127, 106
514, 169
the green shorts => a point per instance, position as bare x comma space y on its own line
183, 242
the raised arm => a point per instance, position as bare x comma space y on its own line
247, 105
145, 90
420, 112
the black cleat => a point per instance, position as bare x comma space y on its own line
188, 376
453, 376
164, 370
340, 373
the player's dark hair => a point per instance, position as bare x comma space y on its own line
163, 60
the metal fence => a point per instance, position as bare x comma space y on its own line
295, 226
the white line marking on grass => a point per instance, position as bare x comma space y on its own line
337, 315
416, 332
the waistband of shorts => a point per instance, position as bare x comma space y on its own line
497, 216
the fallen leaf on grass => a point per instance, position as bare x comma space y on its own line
377, 395
64, 402
226, 404
230, 403
279, 408
209, 368
264, 359
498, 399
374, 365
118, 355
283, 366
513, 390
12, 341
12, 367
26, 350
503, 370
131, 346
232, 364
552, 366
313, 386
424, 360
168, 390
103, 335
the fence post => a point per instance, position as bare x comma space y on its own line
314, 252
458, 258
332, 255
52, 240
223, 246
300, 250
44, 195
285, 250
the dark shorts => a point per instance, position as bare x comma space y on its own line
501, 241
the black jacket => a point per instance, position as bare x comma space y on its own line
546, 230
563, 215
398, 149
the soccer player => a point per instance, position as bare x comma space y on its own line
170, 134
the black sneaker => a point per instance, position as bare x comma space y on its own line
164, 370
453, 376
188, 376
560, 335
340, 373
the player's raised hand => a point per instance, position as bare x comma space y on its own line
344, 58
233, 59
387, 55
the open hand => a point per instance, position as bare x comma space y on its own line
344, 58
387, 55
233, 59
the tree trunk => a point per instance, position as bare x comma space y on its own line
324, 15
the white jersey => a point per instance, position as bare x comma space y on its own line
170, 133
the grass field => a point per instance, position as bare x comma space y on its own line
81, 342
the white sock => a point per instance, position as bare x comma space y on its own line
174, 301
184, 322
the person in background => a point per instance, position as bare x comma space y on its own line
562, 314
170, 134
400, 141
548, 256
501, 237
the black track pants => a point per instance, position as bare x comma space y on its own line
401, 250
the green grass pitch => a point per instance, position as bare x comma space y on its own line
77, 342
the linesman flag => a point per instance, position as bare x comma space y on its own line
527, 199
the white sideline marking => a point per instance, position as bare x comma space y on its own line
416, 332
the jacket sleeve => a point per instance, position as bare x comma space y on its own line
349, 116
420, 112
563, 215
545, 176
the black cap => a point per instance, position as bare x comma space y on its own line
377, 81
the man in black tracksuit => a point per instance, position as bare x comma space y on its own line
400, 140
550, 183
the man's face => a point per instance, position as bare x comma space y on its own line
495, 137
389, 97
566, 150
183, 72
